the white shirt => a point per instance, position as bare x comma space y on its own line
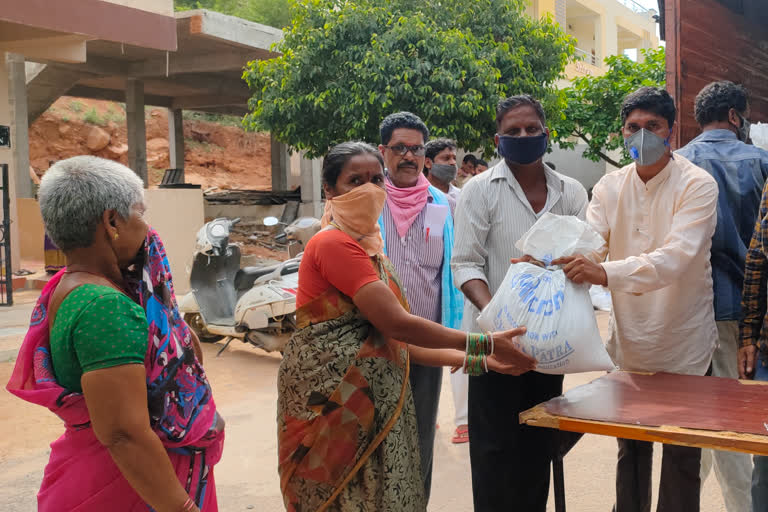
659, 236
492, 214
454, 192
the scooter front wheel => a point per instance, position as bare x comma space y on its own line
195, 322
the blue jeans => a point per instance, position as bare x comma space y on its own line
760, 473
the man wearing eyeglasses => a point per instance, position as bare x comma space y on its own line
417, 227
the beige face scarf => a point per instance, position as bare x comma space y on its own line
357, 214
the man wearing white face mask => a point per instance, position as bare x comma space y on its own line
658, 215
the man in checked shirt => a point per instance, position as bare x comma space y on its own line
753, 355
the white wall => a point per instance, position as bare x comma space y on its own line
583, 29
177, 215
571, 163
164, 7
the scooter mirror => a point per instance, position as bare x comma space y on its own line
219, 231
270, 221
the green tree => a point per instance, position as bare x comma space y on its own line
346, 65
275, 13
592, 109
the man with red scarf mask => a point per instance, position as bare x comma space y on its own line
417, 228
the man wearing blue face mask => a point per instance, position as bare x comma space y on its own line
658, 215
510, 462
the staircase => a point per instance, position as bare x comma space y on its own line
45, 84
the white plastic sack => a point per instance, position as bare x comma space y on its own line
601, 297
759, 134
562, 333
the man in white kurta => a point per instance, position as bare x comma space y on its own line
659, 236
658, 216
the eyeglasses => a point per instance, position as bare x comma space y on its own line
402, 149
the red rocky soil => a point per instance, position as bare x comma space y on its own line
216, 154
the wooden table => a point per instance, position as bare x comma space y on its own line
705, 412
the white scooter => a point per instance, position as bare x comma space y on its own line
253, 304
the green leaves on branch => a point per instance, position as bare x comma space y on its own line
275, 13
591, 111
346, 65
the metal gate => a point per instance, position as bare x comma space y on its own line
6, 286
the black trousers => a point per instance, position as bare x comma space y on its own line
426, 382
510, 462
680, 486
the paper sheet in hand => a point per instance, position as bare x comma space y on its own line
434, 219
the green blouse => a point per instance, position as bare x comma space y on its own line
96, 327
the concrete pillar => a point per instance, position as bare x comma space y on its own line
644, 45
176, 139
17, 94
311, 188
7, 157
137, 130
609, 35
280, 165
560, 12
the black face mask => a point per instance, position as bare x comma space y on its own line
522, 150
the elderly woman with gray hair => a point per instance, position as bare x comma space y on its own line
108, 352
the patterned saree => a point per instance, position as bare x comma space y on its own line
346, 422
81, 475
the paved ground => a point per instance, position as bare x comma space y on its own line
244, 386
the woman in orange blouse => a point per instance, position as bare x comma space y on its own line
346, 423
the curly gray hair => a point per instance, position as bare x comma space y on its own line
74, 194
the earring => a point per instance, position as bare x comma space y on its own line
116, 236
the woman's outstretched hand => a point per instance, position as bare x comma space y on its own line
507, 357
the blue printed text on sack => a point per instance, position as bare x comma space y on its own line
527, 285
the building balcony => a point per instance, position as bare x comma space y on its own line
585, 56
634, 6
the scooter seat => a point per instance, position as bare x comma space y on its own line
247, 276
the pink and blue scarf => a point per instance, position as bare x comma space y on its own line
81, 475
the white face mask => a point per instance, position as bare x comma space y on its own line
645, 147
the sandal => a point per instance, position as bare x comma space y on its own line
462, 435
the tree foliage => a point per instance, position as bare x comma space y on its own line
275, 13
346, 65
592, 105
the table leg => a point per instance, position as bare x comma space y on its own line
559, 483
564, 441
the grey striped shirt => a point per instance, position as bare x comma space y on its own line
419, 264
491, 216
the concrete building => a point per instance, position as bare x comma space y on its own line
142, 53
59, 32
602, 28
135, 51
